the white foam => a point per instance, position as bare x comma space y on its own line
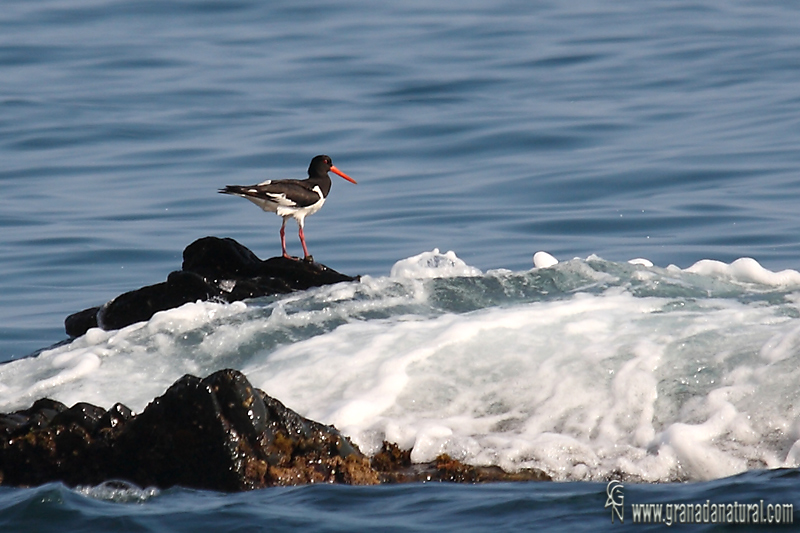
132, 365
585, 383
544, 260
580, 387
118, 492
746, 269
433, 265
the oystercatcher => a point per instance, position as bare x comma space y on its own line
292, 198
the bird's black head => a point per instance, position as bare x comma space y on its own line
320, 165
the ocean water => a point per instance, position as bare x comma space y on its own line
649, 149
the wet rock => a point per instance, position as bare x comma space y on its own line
235, 271
213, 268
141, 304
49, 442
300, 451
391, 458
115, 417
218, 433
79, 323
82, 414
184, 438
445, 468
394, 466
37, 416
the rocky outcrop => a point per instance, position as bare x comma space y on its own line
394, 466
213, 269
217, 433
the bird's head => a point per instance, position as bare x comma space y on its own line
322, 164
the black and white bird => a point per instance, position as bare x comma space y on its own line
292, 198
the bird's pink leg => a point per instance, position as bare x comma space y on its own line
283, 240
303, 242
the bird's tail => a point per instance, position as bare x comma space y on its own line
233, 189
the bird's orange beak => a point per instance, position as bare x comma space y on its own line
342, 174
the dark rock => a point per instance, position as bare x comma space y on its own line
222, 261
240, 403
37, 416
183, 438
115, 417
218, 433
49, 442
213, 268
391, 458
301, 451
79, 323
141, 304
394, 466
83, 414
445, 468
216, 258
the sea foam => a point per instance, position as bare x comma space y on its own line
588, 369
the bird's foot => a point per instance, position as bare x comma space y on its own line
306, 259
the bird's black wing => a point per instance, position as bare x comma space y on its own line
289, 193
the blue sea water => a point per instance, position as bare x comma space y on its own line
603, 131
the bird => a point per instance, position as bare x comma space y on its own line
292, 198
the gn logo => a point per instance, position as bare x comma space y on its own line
615, 500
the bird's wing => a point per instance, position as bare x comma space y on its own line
287, 193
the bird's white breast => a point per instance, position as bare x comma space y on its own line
300, 212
